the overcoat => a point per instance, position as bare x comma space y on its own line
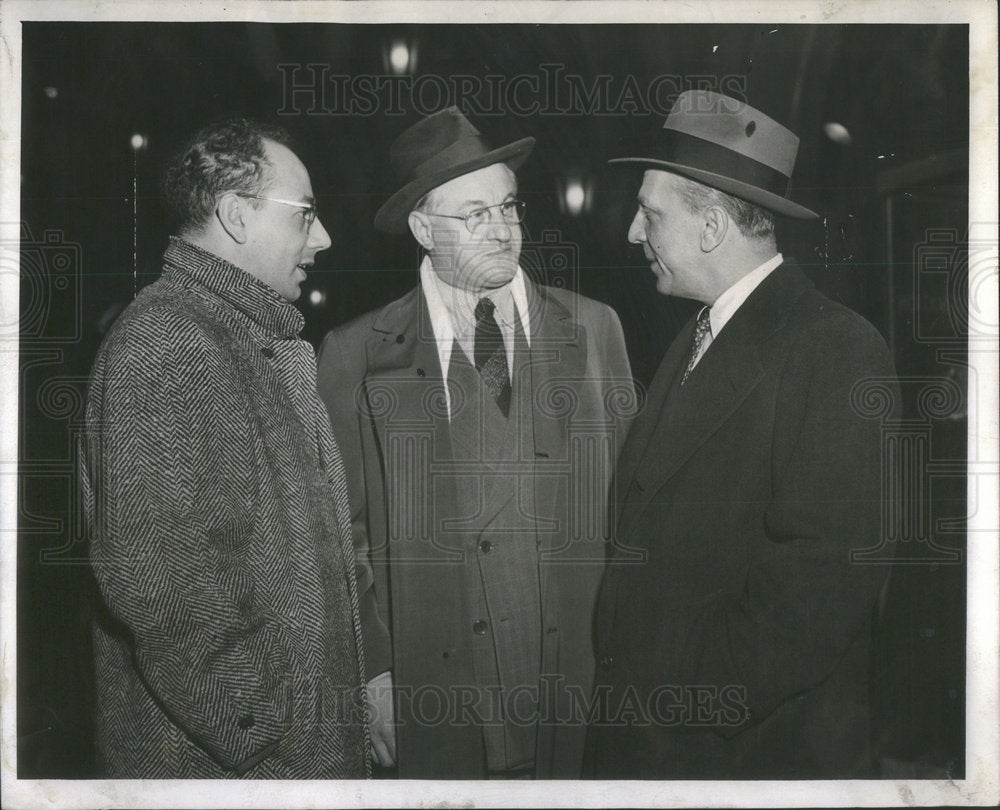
228, 639
381, 379
733, 623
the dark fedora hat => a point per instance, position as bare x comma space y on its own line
728, 145
433, 151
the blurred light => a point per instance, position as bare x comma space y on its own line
317, 298
715, 48
139, 141
399, 56
575, 195
837, 133
51, 92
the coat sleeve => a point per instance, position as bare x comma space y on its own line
173, 506
338, 380
803, 601
607, 362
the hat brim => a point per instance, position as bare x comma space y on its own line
758, 196
393, 215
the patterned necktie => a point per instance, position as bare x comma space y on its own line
701, 329
490, 355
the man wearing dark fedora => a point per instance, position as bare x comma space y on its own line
739, 647
479, 416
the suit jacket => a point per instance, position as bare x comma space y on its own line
738, 646
228, 639
381, 379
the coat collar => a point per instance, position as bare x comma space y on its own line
205, 273
727, 373
404, 326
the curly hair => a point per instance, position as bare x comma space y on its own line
752, 220
224, 156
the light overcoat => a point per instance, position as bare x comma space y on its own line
381, 379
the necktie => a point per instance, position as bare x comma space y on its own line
490, 355
701, 329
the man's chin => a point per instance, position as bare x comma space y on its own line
496, 273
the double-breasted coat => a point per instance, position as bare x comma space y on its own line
426, 532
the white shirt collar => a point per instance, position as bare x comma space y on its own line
732, 299
444, 303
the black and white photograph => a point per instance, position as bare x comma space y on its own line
544, 404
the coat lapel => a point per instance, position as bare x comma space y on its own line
558, 359
405, 400
637, 442
731, 368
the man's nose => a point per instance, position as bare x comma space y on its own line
498, 229
636, 231
318, 237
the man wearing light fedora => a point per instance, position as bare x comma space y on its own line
479, 417
739, 647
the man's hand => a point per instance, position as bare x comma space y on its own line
381, 723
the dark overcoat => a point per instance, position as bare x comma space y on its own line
733, 624
381, 379
228, 638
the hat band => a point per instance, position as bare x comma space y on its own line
697, 153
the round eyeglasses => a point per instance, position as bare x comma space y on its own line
511, 213
310, 212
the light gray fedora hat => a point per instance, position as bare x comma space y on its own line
729, 145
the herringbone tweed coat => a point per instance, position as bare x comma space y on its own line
228, 638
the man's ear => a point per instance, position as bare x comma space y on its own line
714, 227
420, 227
229, 212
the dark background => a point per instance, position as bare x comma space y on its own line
890, 244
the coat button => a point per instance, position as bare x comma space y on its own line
607, 661
486, 547
400, 338
480, 627
246, 722
421, 372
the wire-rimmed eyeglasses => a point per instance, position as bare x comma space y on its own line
311, 212
511, 213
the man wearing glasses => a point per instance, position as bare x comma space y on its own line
479, 417
228, 638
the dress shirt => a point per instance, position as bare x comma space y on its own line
452, 313
732, 299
